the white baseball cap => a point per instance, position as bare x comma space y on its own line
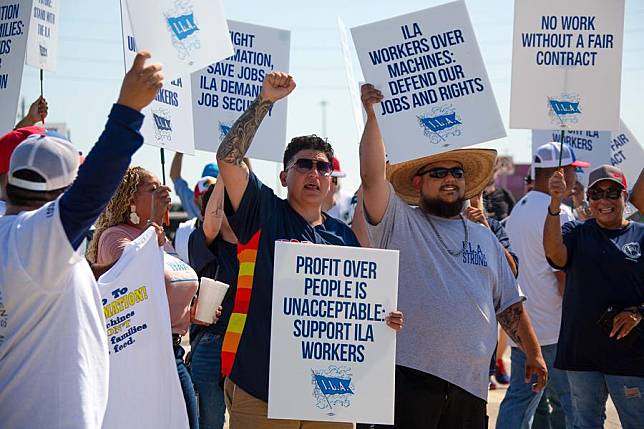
55, 159
547, 156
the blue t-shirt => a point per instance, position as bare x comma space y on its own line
261, 211
605, 269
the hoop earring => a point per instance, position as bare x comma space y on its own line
134, 218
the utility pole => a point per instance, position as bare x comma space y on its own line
323, 103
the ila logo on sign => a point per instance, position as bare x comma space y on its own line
332, 388
162, 125
183, 28
441, 123
564, 109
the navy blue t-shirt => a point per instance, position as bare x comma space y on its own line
605, 269
262, 212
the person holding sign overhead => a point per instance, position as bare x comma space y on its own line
455, 282
259, 218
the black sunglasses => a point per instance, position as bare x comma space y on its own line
610, 193
442, 172
304, 165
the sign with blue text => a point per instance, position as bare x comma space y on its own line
14, 27
168, 119
42, 43
332, 355
567, 64
183, 35
222, 91
627, 153
437, 95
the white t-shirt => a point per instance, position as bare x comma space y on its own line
3, 208
536, 277
53, 347
181, 237
144, 383
342, 208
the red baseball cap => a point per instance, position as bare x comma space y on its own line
337, 172
9, 141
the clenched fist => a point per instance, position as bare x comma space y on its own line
276, 86
141, 83
370, 96
557, 185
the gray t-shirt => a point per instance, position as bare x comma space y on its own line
449, 303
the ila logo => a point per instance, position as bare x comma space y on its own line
224, 129
183, 29
441, 123
332, 388
564, 109
632, 250
162, 125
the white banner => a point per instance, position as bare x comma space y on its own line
627, 153
42, 43
14, 26
168, 119
437, 95
183, 35
332, 355
223, 91
566, 64
352, 83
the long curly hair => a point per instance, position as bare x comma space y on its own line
118, 209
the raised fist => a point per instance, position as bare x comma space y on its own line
141, 83
38, 110
370, 96
276, 86
557, 185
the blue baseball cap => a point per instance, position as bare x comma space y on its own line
210, 170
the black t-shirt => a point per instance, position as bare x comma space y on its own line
605, 269
498, 203
262, 219
219, 262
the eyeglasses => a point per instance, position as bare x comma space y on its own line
610, 193
442, 172
304, 165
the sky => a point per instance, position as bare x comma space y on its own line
90, 70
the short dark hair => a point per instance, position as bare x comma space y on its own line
25, 197
311, 142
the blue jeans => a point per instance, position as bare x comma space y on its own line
188, 389
520, 403
206, 374
589, 393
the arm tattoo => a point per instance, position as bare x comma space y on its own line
236, 143
509, 320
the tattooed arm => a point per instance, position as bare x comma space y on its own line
515, 321
233, 148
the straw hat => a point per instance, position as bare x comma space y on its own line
477, 163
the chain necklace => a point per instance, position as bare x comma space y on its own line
440, 239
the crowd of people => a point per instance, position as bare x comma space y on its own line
566, 288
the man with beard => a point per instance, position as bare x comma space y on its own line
454, 282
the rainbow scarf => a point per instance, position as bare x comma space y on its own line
246, 255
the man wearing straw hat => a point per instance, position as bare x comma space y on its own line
454, 280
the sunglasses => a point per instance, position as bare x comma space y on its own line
610, 194
442, 172
304, 165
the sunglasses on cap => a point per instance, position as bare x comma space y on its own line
610, 194
304, 165
442, 172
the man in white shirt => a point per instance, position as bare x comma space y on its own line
543, 289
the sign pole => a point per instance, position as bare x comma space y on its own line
42, 118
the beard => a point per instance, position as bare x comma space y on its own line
440, 208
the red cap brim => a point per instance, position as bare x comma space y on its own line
580, 164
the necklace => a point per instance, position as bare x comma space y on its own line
440, 239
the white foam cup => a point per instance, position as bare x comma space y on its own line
211, 295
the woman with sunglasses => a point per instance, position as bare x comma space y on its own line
601, 343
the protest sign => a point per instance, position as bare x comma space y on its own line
566, 64
589, 146
437, 95
42, 43
183, 35
332, 355
627, 153
168, 119
224, 90
14, 27
352, 82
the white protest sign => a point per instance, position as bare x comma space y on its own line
437, 95
332, 355
14, 26
183, 35
589, 146
627, 153
352, 82
566, 64
168, 119
42, 43
224, 90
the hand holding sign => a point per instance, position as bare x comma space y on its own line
276, 86
141, 83
160, 204
395, 320
370, 96
38, 110
557, 186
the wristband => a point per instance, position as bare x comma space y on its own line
553, 214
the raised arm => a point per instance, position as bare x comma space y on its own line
553, 244
37, 113
233, 148
214, 213
175, 168
372, 159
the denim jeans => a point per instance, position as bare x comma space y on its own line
520, 403
206, 374
590, 391
188, 389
